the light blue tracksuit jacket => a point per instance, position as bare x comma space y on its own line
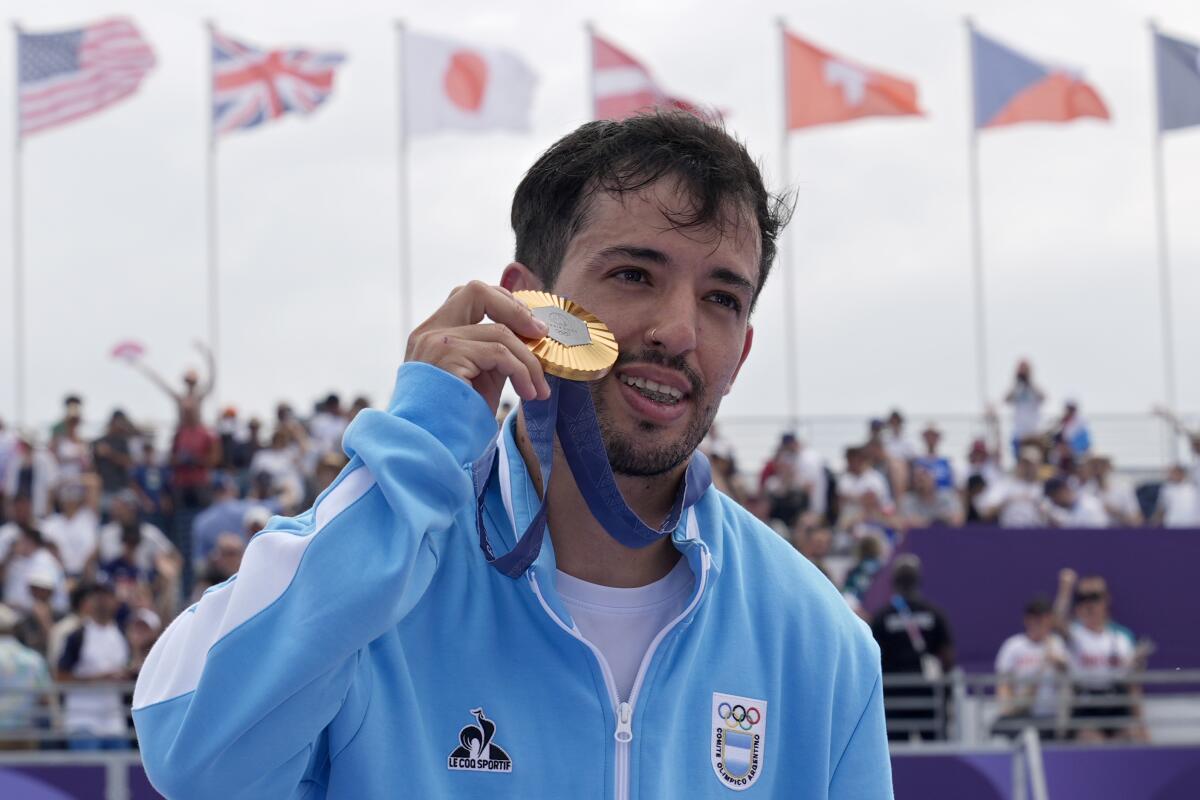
367, 650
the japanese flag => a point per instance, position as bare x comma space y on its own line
451, 85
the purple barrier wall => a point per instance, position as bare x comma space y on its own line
52, 782
982, 578
1127, 773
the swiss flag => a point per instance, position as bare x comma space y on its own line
823, 88
451, 85
623, 86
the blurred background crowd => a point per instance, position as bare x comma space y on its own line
105, 537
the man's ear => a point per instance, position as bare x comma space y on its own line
745, 352
518, 277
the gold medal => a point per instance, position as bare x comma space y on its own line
579, 347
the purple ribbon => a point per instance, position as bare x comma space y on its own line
571, 414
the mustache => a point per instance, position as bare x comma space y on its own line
660, 359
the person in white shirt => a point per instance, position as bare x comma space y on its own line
897, 446
1115, 495
1026, 398
858, 481
1102, 656
75, 531
152, 551
97, 652
1178, 501
1066, 508
1016, 500
1029, 666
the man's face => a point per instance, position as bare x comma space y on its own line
678, 302
1038, 626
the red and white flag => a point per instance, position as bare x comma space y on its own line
623, 86
823, 87
128, 350
449, 85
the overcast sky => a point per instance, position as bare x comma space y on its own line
309, 245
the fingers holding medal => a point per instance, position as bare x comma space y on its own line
484, 355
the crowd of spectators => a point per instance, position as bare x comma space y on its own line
104, 539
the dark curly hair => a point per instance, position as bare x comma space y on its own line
725, 185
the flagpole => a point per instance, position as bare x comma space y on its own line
1160, 215
591, 67
785, 257
402, 180
981, 348
18, 246
214, 296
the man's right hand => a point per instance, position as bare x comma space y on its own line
483, 355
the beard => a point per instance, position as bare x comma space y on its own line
633, 453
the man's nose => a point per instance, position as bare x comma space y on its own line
673, 327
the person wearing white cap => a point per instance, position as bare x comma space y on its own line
26, 562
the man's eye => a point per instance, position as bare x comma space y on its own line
631, 275
727, 300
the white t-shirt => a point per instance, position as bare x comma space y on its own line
1027, 663
100, 711
1088, 512
1120, 497
75, 537
622, 623
853, 486
20, 568
1180, 504
1020, 502
153, 544
1027, 411
1098, 660
898, 447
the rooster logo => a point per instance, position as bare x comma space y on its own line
476, 750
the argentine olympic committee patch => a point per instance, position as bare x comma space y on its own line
739, 737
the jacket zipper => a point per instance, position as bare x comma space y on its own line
623, 709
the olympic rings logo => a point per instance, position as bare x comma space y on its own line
739, 716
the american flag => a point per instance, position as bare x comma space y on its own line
252, 86
69, 74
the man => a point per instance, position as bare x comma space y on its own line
76, 530
1068, 508
1115, 495
367, 647
96, 653
918, 649
1017, 500
1026, 398
1029, 666
112, 455
140, 544
1102, 656
927, 504
856, 484
1178, 501
935, 462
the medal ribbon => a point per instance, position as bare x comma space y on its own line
571, 414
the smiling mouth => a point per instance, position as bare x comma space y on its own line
659, 393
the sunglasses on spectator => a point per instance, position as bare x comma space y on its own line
1090, 597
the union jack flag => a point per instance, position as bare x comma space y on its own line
252, 86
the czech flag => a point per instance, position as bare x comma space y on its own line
1011, 87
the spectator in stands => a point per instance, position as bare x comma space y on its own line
282, 461
195, 391
1192, 436
67, 625
1064, 507
720, 454
858, 481
1016, 500
932, 460
1178, 501
8, 459
32, 472
71, 453
44, 586
1073, 430
24, 687
1102, 656
1029, 667
142, 632
927, 504
194, 451
1116, 496
814, 540
895, 443
327, 426
868, 562
914, 642
112, 455
95, 653
75, 530
1026, 398
223, 516
24, 561
151, 483
131, 546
